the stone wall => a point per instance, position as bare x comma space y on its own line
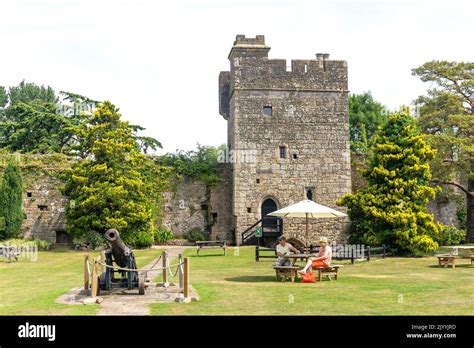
43, 205
192, 205
186, 207
309, 119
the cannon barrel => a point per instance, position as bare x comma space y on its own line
119, 250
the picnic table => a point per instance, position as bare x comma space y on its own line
211, 244
445, 260
282, 272
10, 252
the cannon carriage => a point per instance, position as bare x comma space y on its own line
125, 274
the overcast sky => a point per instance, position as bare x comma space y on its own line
159, 61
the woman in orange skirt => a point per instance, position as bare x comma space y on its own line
322, 260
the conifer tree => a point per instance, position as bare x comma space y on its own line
11, 212
392, 209
106, 189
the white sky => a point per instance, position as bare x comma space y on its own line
159, 61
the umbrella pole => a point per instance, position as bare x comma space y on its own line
306, 233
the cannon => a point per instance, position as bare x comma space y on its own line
120, 254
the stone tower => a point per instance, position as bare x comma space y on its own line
288, 137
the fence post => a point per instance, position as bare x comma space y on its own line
102, 261
95, 285
87, 273
257, 256
368, 253
352, 256
384, 252
165, 268
186, 278
180, 272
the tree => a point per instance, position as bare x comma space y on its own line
200, 164
32, 121
27, 92
3, 97
11, 201
365, 117
446, 114
392, 209
106, 189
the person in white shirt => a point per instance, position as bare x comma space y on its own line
283, 248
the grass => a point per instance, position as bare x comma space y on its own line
237, 285
31, 288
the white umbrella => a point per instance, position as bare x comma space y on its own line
307, 209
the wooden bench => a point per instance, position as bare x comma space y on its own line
446, 260
283, 272
10, 252
211, 244
328, 272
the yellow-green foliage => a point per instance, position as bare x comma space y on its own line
392, 209
106, 189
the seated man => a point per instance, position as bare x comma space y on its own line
322, 260
283, 248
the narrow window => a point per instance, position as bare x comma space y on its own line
29, 194
42, 207
268, 111
249, 210
214, 217
305, 68
310, 193
282, 151
258, 181
295, 156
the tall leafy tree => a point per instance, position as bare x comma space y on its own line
32, 121
27, 92
365, 116
106, 188
446, 114
392, 209
11, 211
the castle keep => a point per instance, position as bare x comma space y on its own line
288, 140
288, 129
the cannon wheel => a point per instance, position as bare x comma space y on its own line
141, 284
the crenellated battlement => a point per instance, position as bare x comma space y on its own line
250, 69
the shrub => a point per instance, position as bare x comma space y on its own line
163, 235
195, 235
89, 240
142, 239
41, 244
451, 236
462, 217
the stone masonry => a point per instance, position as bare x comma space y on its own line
288, 131
43, 205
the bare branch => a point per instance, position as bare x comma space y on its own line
453, 183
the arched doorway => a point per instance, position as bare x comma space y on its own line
269, 206
271, 225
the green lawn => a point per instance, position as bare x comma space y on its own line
31, 288
234, 285
237, 285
